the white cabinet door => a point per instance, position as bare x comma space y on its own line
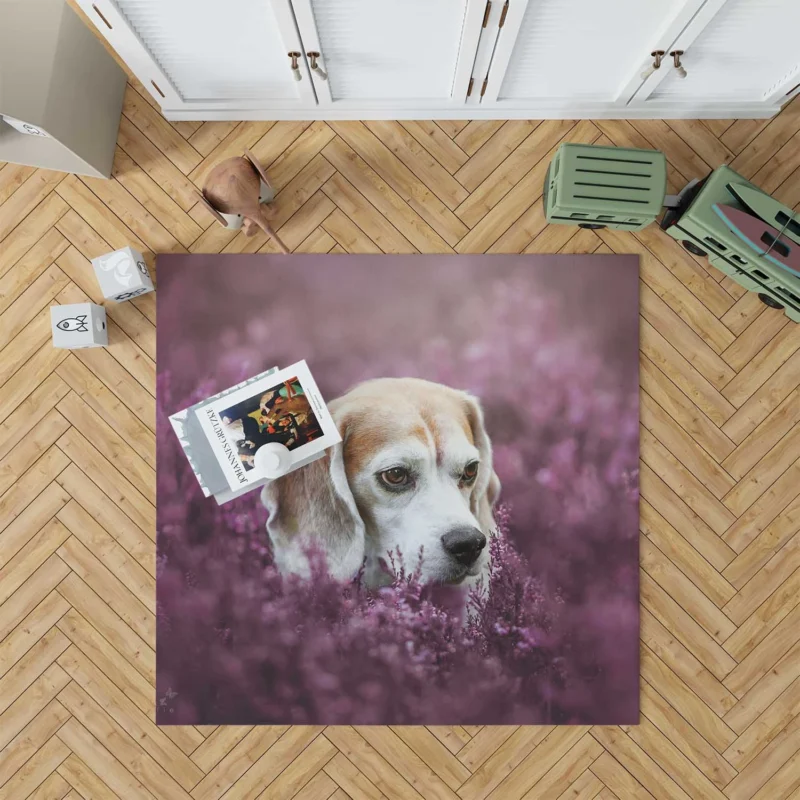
208, 54
743, 51
562, 54
387, 54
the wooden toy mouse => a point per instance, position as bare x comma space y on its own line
233, 188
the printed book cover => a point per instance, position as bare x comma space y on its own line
223, 434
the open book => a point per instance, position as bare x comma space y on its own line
228, 437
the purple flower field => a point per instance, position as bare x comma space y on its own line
549, 344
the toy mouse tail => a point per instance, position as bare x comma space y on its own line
270, 231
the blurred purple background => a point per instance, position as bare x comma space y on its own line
550, 346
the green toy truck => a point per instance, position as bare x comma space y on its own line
702, 232
611, 187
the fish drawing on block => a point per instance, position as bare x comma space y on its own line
761, 237
77, 324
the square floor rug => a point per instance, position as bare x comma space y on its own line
468, 554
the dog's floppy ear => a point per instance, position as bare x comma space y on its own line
314, 506
487, 487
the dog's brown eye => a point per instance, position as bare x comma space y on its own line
470, 472
395, 477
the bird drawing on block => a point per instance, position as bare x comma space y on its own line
233, 187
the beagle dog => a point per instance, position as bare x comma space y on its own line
413, 475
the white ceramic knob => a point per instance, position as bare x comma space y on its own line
676, 55
657, 56
273, 459
313, 55
294, 64
648, 72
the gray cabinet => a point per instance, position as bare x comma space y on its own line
56, 76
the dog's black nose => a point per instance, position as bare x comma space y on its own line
464, 545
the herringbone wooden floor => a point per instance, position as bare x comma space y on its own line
720, 480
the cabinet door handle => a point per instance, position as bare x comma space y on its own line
676, 58
296, 74
657, 56
100, 14
315, 68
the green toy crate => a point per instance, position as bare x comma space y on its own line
702, 232
605, 187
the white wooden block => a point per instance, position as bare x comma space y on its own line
122, 274
79, 325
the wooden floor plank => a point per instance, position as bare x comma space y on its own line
237, 762
764, 730
84, 782
155, 164
693, 275
140, 654
685, 702
685, 737
32, 192
429, 171
475, 134
108, 515
209, 135
495, 205
770, 687
780, 385
711, 474
765, 436
144, 189
30, 230
679, 369
767, 508
437, 143
30, 267
120, 743
350, 780
679, 587
680, 409
286, 763
101, 763
502, 763
34, 736
425, 221
684, 519
12, 176
774, 605
540, 767
612, 774
30, 630
136, 108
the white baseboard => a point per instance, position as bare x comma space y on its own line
650, 111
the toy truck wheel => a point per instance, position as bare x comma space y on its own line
769, 301
592, 226
693, 248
